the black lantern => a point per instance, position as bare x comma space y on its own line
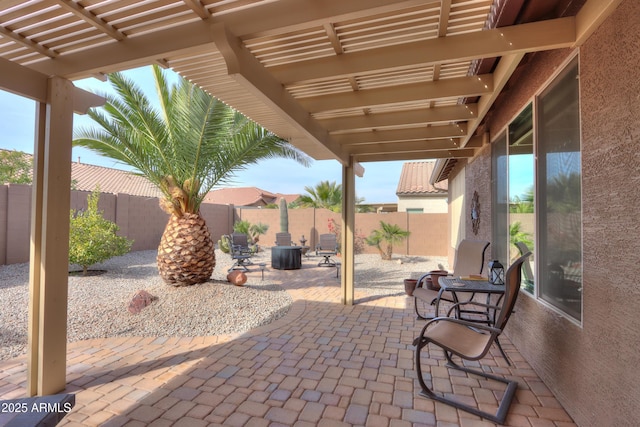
496, 273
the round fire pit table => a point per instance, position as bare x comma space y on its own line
286, 257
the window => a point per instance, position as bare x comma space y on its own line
415, 210
538, 206
559, 189
521, 193
513, 186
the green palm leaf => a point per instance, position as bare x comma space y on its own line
185, 142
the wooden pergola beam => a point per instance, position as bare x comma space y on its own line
523, 38
248, 72
399, 118
418, 155
431, 132
441, 89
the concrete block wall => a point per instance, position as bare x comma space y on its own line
428, 231
18, 216
142, 220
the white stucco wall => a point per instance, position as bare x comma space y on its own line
427, 204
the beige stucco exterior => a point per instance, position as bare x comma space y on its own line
432, 204
591, 367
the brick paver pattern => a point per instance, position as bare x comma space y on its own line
323, 364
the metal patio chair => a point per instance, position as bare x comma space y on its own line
471, 341
283, 239
327, 247
469, 261
240, 251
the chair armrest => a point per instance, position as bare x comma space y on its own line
474, 325
422, 280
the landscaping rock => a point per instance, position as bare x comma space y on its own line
140, 300
238, 278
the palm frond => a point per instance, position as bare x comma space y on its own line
185, 143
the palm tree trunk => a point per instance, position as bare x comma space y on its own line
186, 252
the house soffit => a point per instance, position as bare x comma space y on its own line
364, 80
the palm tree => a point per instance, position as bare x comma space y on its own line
326, 195
389, 233
186, 147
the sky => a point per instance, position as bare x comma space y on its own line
17, 124
378, 185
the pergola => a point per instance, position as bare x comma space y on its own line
355, 81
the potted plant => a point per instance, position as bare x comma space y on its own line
410, 286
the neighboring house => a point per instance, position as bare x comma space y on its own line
85, 177
416, 194
247, 196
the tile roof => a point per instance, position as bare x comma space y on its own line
115, 181
247, 196
86, 177
414, 180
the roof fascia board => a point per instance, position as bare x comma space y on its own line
248, 72
523, 38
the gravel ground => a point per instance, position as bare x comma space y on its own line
98, 304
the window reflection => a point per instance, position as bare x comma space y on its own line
560, 219
521, 193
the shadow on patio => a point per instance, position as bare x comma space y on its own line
322, 364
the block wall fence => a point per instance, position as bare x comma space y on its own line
142, 220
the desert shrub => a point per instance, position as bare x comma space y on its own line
387, 234
358, 237
92, 238
253, 231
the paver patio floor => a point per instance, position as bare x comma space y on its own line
323, 364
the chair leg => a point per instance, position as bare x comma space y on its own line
503, 406
238, 265
420, 316
327, 262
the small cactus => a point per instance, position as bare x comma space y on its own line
284, 216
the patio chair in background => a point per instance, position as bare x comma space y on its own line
471, 341
469, 261
283, 239
527, 273
327, 247
240, 251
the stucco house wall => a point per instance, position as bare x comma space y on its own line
427, 204
591, 367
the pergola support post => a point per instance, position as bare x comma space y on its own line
48, 278
348, 228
